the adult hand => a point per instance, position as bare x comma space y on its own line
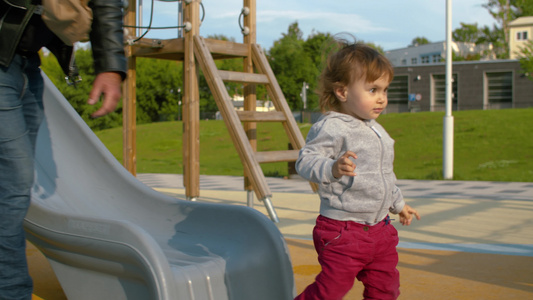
110, 85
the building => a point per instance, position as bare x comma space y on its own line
260, 105
420, 76
434, 53
479, 85
520, 32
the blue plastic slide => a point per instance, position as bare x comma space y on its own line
108, 236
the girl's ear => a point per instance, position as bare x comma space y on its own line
340, 92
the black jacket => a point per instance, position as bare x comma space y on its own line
23, 31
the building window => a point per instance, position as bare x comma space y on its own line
439, 89
499, 87
521, 36
404, 62
436, 58
414, 61
425, 59
399, 89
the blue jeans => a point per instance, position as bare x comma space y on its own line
21, 113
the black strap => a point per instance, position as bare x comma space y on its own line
10, 32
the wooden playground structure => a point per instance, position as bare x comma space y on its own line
196, 51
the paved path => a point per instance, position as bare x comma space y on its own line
410, 188
470, 216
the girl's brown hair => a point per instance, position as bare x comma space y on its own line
352, 61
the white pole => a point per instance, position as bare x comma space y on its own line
304, 94
447, 163
140, 17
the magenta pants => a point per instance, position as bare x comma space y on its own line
348, 250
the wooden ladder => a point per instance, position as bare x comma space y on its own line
250, 159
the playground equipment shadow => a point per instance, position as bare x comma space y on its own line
475, 239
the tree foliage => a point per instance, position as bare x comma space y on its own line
78, 94
419, 40
524, 8
496, 37
293, 65
468, 33
503, 12
295, 61
158, 84
526, 59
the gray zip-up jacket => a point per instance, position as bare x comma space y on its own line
370, 195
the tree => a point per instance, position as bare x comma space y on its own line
526, 59
470, 57
468, 33
157, 84
317, 46
417, 41
502, 12
524, 7
495, 36
293, 65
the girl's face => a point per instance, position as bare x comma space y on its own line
364, 100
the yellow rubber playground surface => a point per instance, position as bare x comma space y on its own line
475, 239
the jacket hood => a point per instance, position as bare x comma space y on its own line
347, 118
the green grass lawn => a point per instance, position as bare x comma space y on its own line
492, 145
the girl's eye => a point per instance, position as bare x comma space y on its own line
372, 90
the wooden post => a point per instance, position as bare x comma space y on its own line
191, 105
250, 96
129, 154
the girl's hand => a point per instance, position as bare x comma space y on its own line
344, 165
406, 215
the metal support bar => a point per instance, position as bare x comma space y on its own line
250, 198
270, 209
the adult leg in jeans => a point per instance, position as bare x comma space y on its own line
21, 111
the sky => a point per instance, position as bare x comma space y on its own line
391, 24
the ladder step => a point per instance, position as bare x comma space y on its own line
243, 77
254, 116
226, 49
276, 156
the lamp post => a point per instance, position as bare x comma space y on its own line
303, 94
447, 158
305, 86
